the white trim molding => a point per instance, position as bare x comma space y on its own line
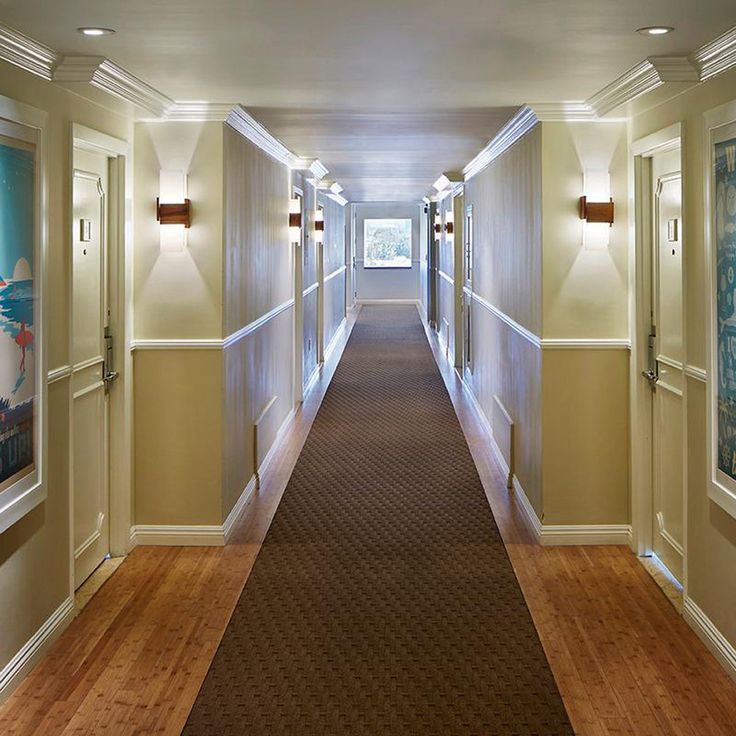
109, 77
519, 125
586, 344
29, 654
632, 83
178, 344
563, 111
699, 374
526, 334
177, 535
58, 374
710, 635
249, 329
334, 274
716, 57
196, 112
244, 123
19, 50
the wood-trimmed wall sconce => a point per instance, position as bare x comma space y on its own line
178, 213
449, 227
319, 225
596, 211
295, 219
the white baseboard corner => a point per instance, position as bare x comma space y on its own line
13, 672
709, 634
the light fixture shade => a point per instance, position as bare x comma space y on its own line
173, 211
335, 188
295, 220
596, 209
319, 225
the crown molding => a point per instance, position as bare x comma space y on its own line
244, 123
109, 77
191, 112
636, 81
338, 198
18, 49
675, 68
519, 125
559, 111
319, 170
716, 57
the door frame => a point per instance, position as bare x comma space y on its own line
120, 302
298, 378
640, 394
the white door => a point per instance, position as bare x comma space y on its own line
666, 362
90, 404
467, 295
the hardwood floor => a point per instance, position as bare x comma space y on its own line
134, 659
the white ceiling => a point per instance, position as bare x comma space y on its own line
464, 57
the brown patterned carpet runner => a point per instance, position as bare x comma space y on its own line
382, 600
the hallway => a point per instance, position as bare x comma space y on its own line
135, 658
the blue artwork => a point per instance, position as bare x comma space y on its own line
17, 332
725, 226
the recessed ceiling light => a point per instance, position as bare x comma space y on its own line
655, 30
94, 31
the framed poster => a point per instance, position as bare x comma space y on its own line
721, 244
22, 378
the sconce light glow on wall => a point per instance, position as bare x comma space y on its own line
596, 209
319, 225
295, 220
449, 222
173, 211
437, 226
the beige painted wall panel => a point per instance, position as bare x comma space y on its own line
711, 532
334, 234
257, 369
586, 434
507, 202
177, 436
258, 256
40, 541
507, 365
34, 552
179, 294
585, 290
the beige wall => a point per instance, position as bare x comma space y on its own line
711, 532
585, 292
507, 247
584, 297
585, 429
178, 296
40, 541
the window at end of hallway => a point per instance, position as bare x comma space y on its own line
387, 243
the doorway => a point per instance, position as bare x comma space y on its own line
92, 373
466, 300
658, 472
297, 238
99, 366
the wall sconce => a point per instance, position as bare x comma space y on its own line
596, 209
449, 222
295, 220
319, 225
437, 226
173, 211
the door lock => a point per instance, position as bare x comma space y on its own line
651, 376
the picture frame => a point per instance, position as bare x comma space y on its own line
720, 240
23, 373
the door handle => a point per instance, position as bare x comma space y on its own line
110, 377
651, 376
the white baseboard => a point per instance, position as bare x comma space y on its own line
26, 658
550, 535
335, 340
708, 633
173, 535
